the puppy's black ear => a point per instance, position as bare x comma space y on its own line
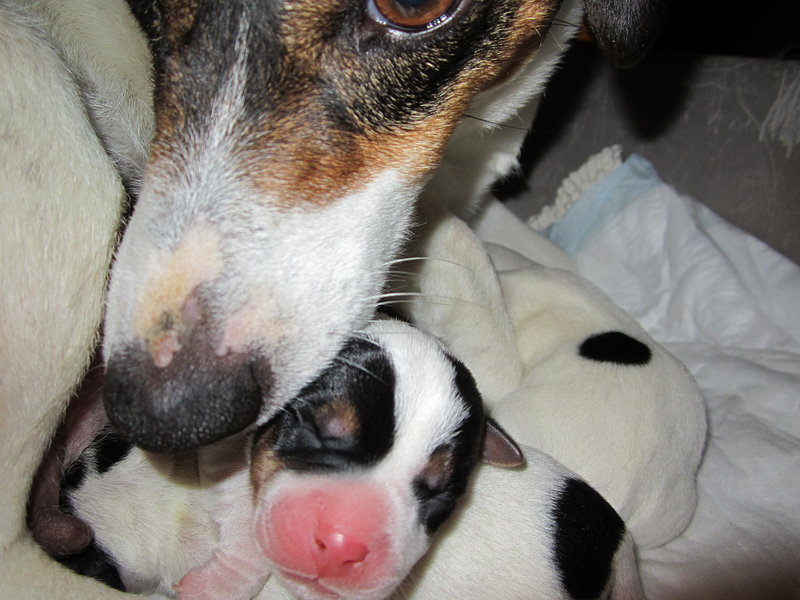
499, 449
625, 29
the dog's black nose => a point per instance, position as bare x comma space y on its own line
197, 399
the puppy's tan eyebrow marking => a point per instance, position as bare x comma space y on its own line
337, 419
438, 468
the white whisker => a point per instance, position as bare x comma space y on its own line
432, 258
344, 361
395, 295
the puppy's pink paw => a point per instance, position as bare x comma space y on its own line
224, 576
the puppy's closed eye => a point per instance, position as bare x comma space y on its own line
435, 489
434, 476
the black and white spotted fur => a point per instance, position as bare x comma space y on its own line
395, 418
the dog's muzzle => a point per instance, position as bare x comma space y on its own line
197, 399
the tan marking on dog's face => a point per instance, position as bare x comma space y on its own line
306, 172
166, 306
326, 118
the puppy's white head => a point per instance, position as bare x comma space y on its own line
292, 140
354, 475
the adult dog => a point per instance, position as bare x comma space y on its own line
291, 142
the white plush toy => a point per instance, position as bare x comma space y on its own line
566, 371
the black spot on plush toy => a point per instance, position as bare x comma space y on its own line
615, 347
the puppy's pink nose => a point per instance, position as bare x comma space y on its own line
336, 533
337, 552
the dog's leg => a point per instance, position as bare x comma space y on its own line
486, 143
61, 199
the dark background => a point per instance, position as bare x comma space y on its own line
761, 28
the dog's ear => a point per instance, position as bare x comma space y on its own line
625, 29
499, 449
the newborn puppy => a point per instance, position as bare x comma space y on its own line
345, 486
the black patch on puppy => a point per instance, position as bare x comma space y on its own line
588, 534
94, 562
466, 386
73, 477
359, 388
444, 479
615, 347
110, 448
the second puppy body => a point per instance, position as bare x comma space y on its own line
346, 485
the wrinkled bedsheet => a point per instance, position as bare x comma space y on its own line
727, 306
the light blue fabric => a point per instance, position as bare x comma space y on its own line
602, 202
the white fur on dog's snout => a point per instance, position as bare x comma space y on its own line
214, 256
285, 284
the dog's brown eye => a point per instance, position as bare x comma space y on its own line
413, 15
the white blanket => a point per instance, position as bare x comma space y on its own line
726, 305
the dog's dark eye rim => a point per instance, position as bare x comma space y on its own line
449, 9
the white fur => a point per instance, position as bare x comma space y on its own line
427, 408
501, 541
110, 62
149, 510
